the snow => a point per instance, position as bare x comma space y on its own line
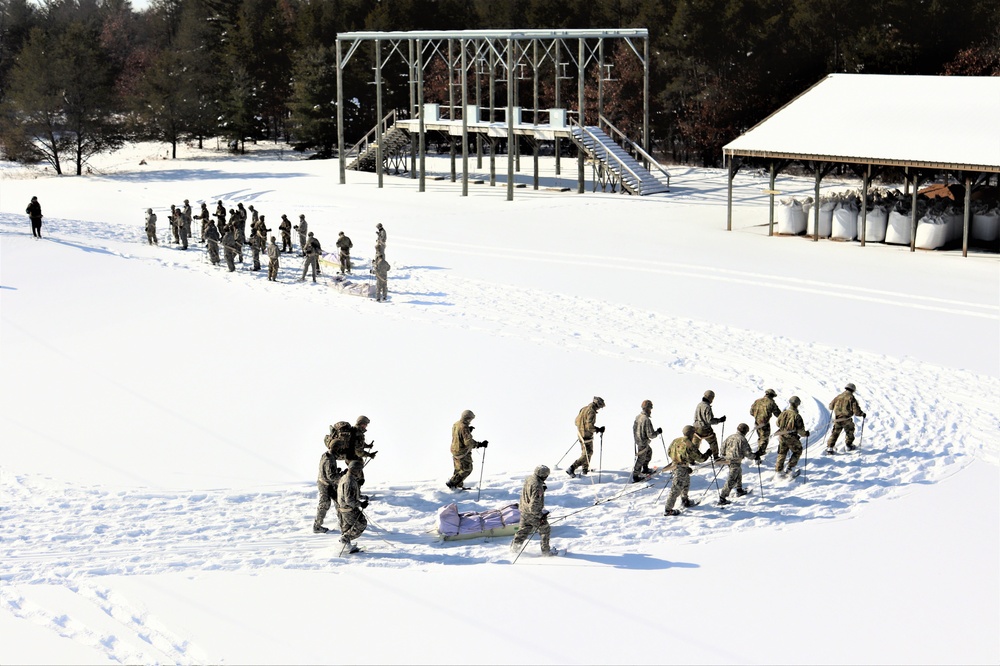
162, 420
934, 120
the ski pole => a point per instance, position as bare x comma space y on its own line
715, 480
525, 545
805, 465
661, 492
482, 466
600, 459
664, 443
722, 436
575, 442
760, 481
861, 435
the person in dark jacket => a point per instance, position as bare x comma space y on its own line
34, 211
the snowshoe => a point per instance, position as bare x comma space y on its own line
551, 552
671, 512
851, 447
353, 549
724, 502
740, 492
571, 473
792, 473
688, 503
830, 452
319, 529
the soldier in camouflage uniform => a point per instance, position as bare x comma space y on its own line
186, 214
844, 407
379, 240
381, 270
312, 250
212, 240
462, 444
205, 218
762, 410
704, 419
258, 241
173, 218
272, 260
345, 245
585, 430
286, 234
734, 450
350, 505
358, 445
790, 428
683, 452
220, 216
303, 228
151, 227
326, 484
181, 227
229, 248
643, 432
534, 517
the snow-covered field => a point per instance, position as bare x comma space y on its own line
161, 420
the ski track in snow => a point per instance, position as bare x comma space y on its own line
51, 532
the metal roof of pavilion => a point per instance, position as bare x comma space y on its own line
937, 122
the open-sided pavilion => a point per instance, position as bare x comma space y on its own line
925, 126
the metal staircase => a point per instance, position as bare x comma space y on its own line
616, 160
363, 156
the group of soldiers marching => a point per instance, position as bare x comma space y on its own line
346, 442
227, 231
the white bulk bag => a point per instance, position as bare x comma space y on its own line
898, 230
932, 232
986, 226
791, 219
448, 520
875, 225
825, 220
845, 223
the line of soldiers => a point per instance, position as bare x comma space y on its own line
229, 234
343, 486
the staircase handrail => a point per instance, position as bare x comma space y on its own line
363, 146
602, 120
608, 155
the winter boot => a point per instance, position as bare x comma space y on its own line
723, 501
851, 447
319, 529
671, 512
740, 492
830, 451
571, 473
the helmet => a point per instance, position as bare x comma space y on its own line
467, 415
770, 393
362, 420
379, 225
302, 216
355, 464
149, 210
598, 401
341, 233
743, 428
709, 395
542, 472
647, 405
851, 387
794, 401
687, 430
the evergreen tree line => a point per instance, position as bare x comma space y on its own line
78, 77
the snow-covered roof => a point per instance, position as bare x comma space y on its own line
925, 121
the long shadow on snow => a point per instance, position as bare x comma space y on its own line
197, 174
85, 248
635, 561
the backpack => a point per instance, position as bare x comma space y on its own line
339, 437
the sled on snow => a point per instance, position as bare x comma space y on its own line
455, 526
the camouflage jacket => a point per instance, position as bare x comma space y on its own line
704, 418
532, 497
382, 268
285, 227
329, 473
272, 251
763, 409
345, 244
461, 439
348, 494
643, 430
151, 222
585, 422
736, 448
683, 451
846, 405
790, 423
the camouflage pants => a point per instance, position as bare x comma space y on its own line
286, 242
735, 481
183, 237
327, 495
847, 425
788, 443
213, 252
173, 230
345, 262
642, 459
586, 455
763, 437
229, 259
681, 485
352, 523
272, 270
312, 260
708, 435
151, 237
531, 524
381, 289
302, 244
256, 257
463, 468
